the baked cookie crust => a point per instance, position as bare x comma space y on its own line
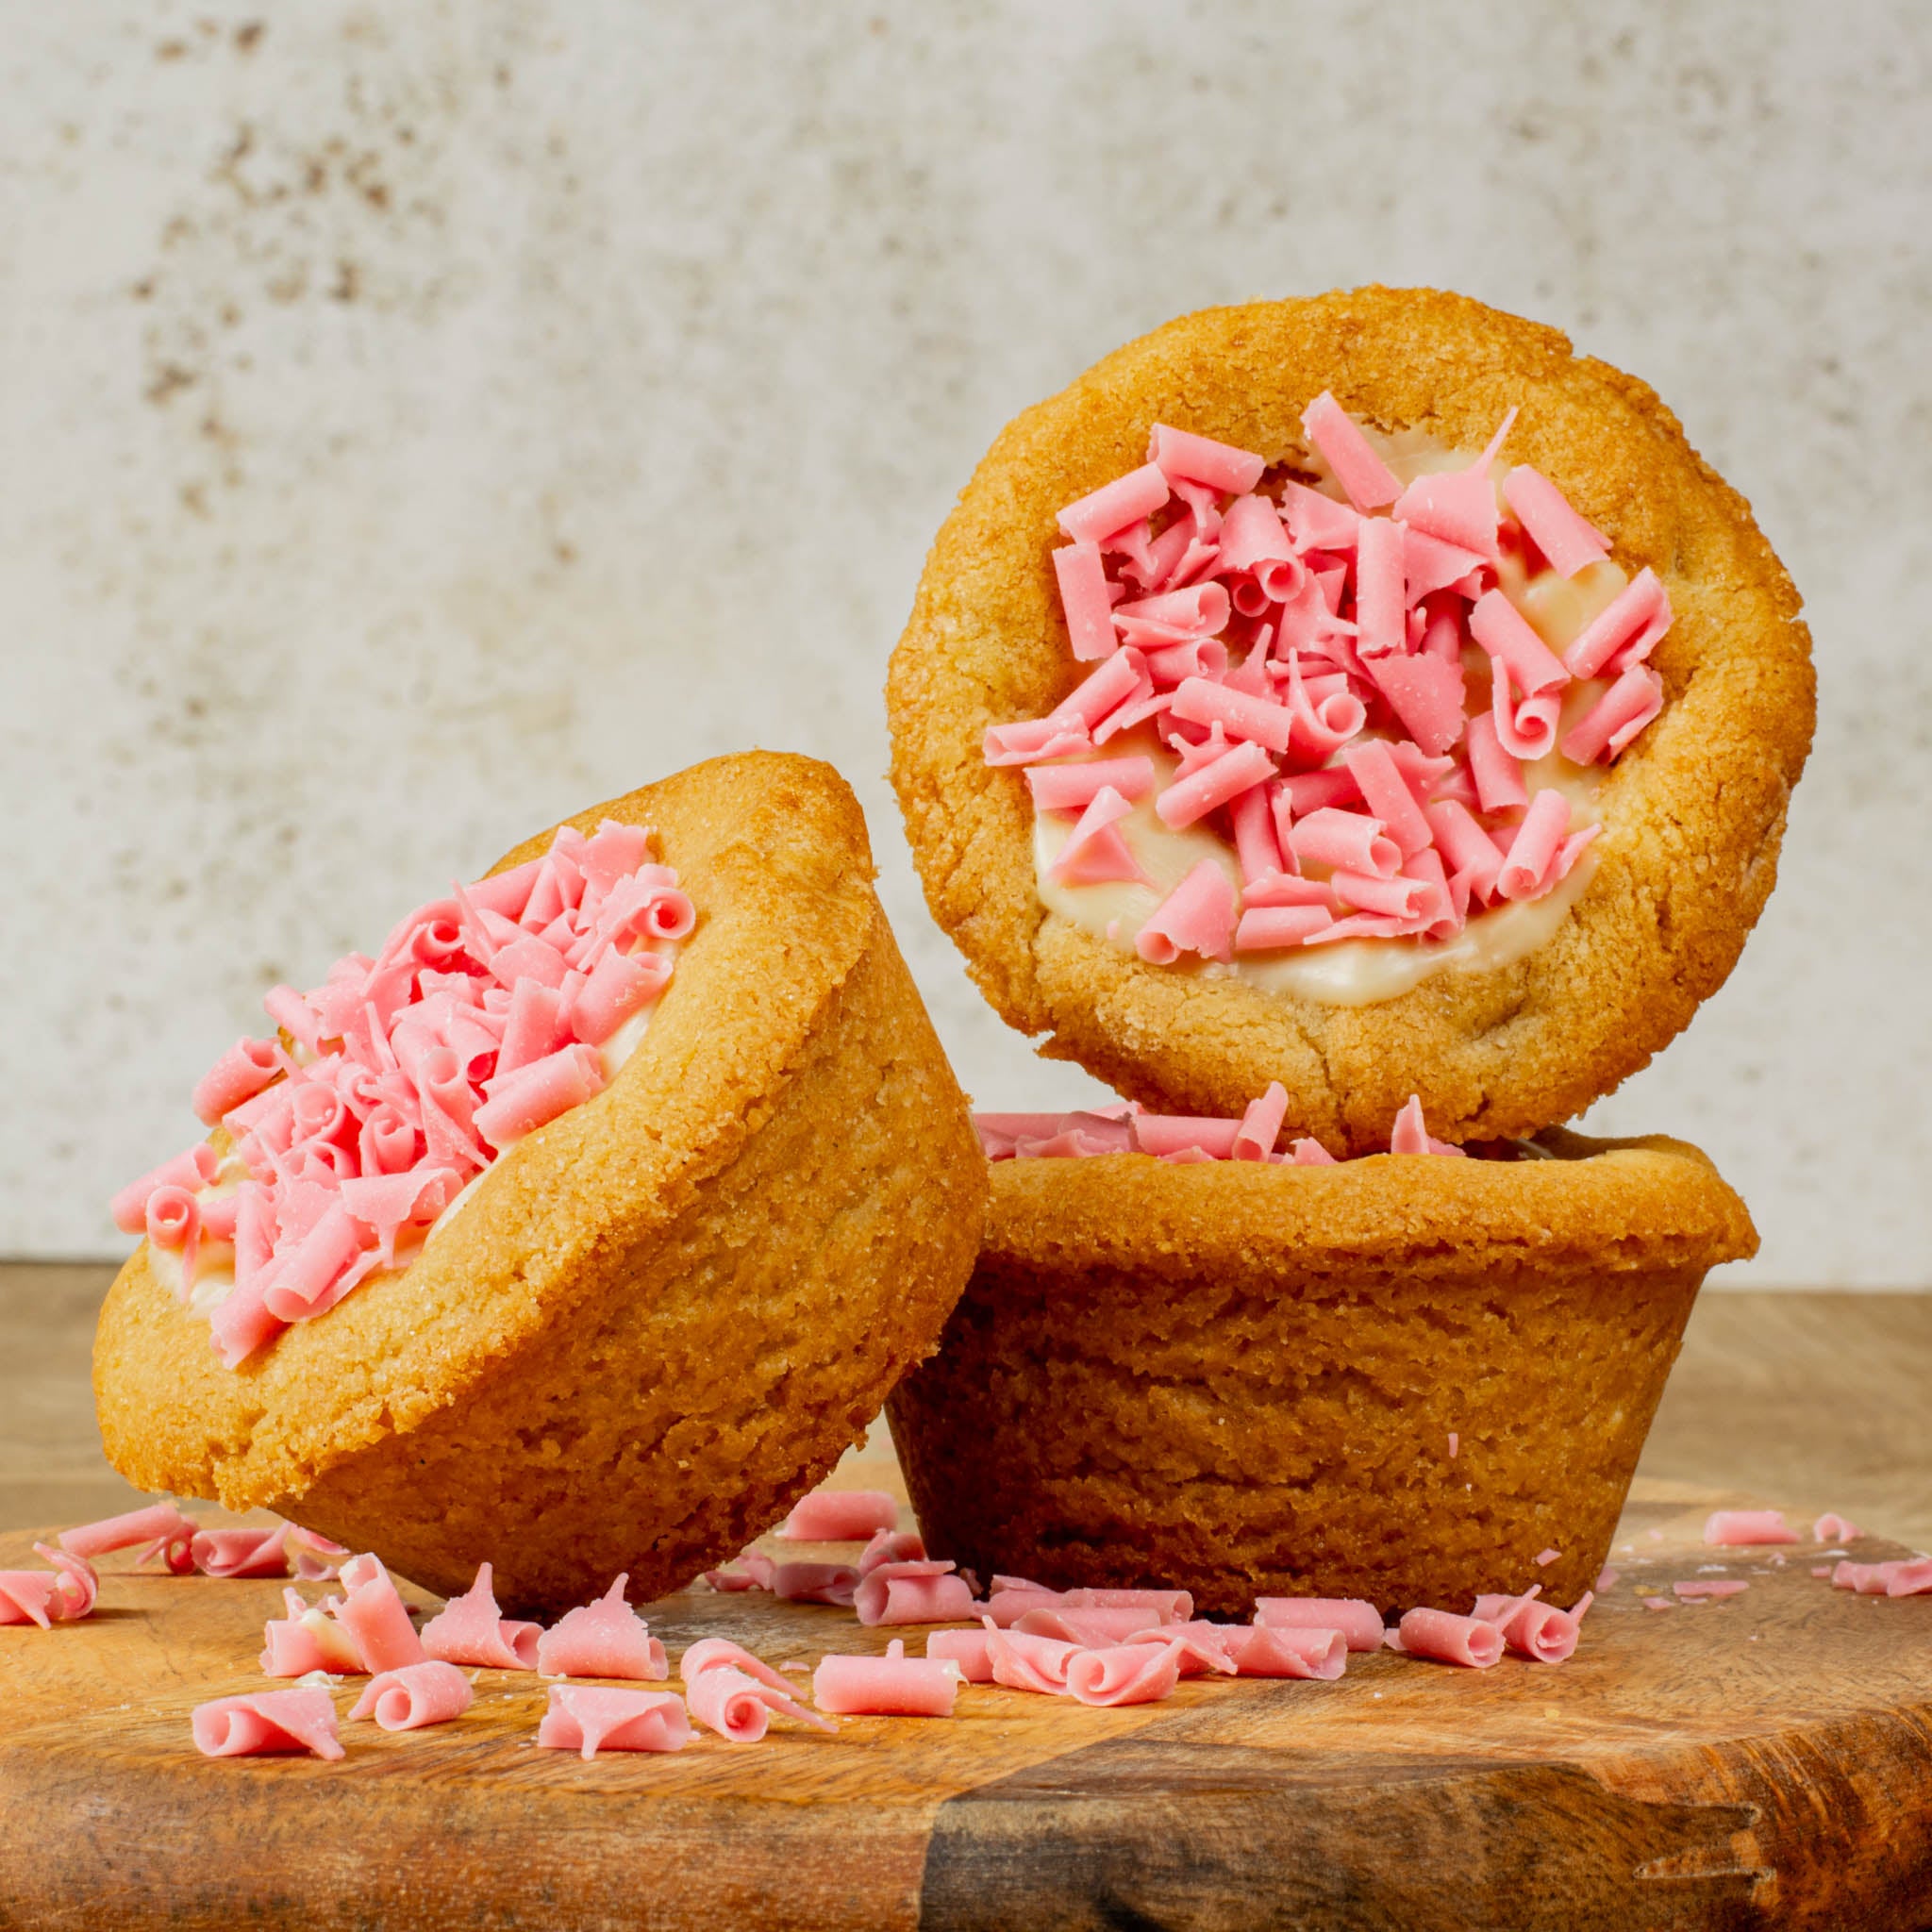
1244, 1380
661, 1317
1693, 811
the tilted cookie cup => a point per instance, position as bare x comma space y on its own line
661, 1317
1692, 813
1402, 1379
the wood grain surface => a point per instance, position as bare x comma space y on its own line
1765, 1762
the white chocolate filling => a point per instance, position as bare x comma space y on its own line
1359, 972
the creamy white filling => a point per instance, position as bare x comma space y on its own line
1360, 973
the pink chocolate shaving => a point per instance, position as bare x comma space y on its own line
267, 1722
1277, 645
407, 1699
587, 1719
840, 1516
1724, 1527
469, 1629
603, 1639
478, 1021
894, 1685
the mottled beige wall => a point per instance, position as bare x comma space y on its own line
420, 420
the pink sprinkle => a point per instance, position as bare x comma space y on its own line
1115, 505
1724, 1527
1711, 1588
1546, 1557
1183, 457
1364, 475
1562, 535
1455, 1443
1196, 917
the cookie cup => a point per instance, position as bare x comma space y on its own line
1692, 813
1404, 1378
658, 1320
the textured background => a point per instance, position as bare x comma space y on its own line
422, 420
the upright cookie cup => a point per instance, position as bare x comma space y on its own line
1690, 814
1400, 1378
661, 1317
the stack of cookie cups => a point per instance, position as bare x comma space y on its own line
1449, 706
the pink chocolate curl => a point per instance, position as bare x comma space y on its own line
1084, 600
1386, 792
1074, 788
1094, 851
1196, 917
1829, 1528
1270, 928
1028, 1663
1495, 770
913, 1592
720, 1653
375, 1617
1360, 1622
1733, 1527
891, 1547
1456, 506
603, 1639
815, 1583
144, 1526
1616, 717
1426, 696
290, 1648
267, 1722
469, 1629
618, 986
1276, 1650
1184, 458
1093, 1629
1627, 630
737, 1704
415, 1695
1506, 634
1367, 479
1204, 701
840, 1516
534, 1095
1261, 1125
240, 1074
1379, 607
1128, 1674
894, 1685
1115, 505
967, 1649
189, 1172
1533, 850
226, 1553
1215, 784
1348, 840
1449, 1639
1562, 535
587, 1720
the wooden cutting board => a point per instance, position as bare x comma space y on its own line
1756, 1762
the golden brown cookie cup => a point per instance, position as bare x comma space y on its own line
1693, 811
1242, 1380
661, 1317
